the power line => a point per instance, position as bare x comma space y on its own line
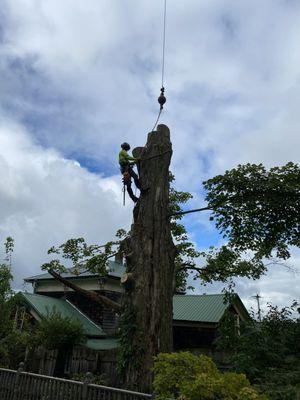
258, 297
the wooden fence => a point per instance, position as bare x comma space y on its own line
20, 385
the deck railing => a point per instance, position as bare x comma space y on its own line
20, 385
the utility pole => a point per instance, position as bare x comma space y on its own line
258, 297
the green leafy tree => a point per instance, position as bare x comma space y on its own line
257, 211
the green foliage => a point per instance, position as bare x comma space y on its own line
186, 254
5, 290
5, 293
186, 376
258, 213
268, 352
131, 351
13, 343
57, 332
83, 256
13, 347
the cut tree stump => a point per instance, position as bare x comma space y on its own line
151, 261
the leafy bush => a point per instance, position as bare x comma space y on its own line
13, 347
57, 332
268, 352
186, 376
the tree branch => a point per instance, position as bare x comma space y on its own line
187, 266
190, 211
98, 298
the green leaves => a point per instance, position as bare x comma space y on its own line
5, 289
185, 250
57, 332
267, 352
225, 263
257, 212
83, 257
257, 209
187, 376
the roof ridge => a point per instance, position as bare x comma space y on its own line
39, 295
112, 267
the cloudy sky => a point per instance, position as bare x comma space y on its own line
79, 77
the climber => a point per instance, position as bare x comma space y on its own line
126, 166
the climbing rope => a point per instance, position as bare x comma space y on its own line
124, 195
164, 46
162, 99
157, 119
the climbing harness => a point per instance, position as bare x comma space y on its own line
126, 177
162, 99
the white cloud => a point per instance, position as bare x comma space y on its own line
83, 77
46, 199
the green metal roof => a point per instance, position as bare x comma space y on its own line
115, 270
43, 305
102, 344
199, 308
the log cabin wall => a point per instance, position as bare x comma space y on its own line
107, 319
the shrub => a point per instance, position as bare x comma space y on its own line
13, 348
186, 376
57, 332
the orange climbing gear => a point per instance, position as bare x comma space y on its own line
126, 177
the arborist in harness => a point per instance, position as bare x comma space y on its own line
126, 166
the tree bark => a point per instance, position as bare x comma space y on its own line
150, 261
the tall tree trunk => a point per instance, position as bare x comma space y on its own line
146, 323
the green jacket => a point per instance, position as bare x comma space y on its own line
125, 158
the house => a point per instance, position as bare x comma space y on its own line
195, 317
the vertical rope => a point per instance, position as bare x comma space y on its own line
164, 45
163, 64
157, 119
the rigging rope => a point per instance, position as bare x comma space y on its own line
157, 119
161, 98
164, 46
